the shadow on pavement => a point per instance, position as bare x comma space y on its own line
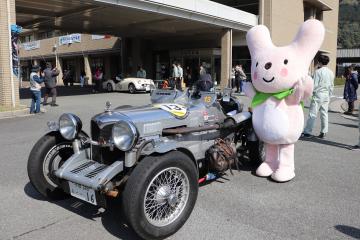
326, 142
111, 218
61, 91
350, 231
345, 125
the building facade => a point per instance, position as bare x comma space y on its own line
157, 33
76, 53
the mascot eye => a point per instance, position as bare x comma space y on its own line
286, 61
257, 64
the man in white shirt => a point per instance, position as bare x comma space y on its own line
180, 77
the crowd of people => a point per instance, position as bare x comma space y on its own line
177, 78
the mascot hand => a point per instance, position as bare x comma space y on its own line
249, 89
302, 90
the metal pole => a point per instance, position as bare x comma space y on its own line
8, 10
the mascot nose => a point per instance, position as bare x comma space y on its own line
268, 65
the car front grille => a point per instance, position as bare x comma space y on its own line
100, 153
100, 134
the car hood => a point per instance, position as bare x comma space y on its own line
149, 119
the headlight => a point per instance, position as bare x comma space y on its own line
124, 135
69, 125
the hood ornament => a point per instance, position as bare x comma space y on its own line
107, 106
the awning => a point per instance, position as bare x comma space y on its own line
128, 18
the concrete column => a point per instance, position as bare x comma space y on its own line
226, 58
58, 65
9, 83
87, 69
261, 11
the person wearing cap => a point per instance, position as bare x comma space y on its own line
35, 80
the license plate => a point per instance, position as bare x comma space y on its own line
81, 192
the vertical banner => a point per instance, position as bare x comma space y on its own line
15, 31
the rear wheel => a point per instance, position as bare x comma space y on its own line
160, 195
132, 88
109, 87
47, 155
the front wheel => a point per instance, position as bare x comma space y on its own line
160, 195
47, 155
132, 88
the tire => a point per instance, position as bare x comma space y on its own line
256, 152
132, 88
47, 155
109, 87
142, 181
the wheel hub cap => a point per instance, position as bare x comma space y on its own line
166, 196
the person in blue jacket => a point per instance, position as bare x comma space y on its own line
351, 85
35, 80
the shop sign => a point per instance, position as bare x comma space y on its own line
31, 45
68, 39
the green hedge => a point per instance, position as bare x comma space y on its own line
339, 81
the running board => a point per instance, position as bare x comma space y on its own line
81, 170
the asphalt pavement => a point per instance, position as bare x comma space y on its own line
322, 202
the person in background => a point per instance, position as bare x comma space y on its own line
180, 79
240, 77
71, 76
35, 80
202, 70
50, 75
323, 89
205, 83
233, 85
163, 71
141, 73
65, 77
82, 78
98, 78
351, 85
174, 76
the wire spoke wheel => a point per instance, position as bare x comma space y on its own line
166, 196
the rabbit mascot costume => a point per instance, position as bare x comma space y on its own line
280, 83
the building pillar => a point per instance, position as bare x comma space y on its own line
87, 69
226, 58
58, 65
9, 83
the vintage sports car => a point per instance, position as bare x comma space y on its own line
151, 157
131, 85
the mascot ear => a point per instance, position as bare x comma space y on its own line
258, 38
309, 38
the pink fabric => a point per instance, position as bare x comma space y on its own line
279, 123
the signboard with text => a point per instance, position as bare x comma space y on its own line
31, 45
68, 39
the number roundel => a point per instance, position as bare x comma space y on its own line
177, 110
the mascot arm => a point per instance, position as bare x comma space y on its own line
249, 89
302, 90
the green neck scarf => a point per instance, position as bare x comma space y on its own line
261, 97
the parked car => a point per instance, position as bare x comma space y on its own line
131, 85
153, 156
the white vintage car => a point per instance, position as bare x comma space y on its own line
131, 85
